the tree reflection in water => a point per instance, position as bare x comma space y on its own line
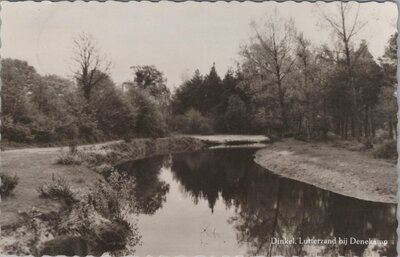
150, 192
268, 206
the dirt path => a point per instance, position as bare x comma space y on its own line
57, 148
355, 174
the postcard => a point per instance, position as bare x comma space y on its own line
198, 128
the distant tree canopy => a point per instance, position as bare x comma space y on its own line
285, 85
50, 109
282, 85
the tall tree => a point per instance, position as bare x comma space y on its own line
387, 107
304, 56
92, 66
368, 78
18, 79
150, 79
211, 91
270, 53
346, 25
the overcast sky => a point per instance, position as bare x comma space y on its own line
175, 37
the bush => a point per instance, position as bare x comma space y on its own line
110, 197
58, 189
150, 121
8, 184
386, 150
193, 122
72, 157
380, 136
16, 133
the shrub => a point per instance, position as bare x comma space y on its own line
44, 135
380, 136
8, 184
67, 132
73, 147
69, 158
57, 189
16, 133
193, 122
386, 150
110, 198
150, 121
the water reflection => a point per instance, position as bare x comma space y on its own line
150, 192
260, 206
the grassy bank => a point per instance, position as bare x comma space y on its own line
353, 173
35, 166
115, 153
30, 221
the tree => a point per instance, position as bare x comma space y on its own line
151, 80
49, 95
210, 91
188, 95
270, 54
305, 58
18, 79
389, 60
115, 115
92, 67
387, 107
150, 121
368, 78
236, 118
345, 30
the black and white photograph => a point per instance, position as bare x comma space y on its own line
198, 129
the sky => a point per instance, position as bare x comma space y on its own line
177, 38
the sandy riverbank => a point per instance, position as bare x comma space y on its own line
350, 173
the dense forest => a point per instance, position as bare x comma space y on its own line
282, 85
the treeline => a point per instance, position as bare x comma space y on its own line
90, 108
50, 109
209, 104
314, 97
285, 85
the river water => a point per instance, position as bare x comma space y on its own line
219, 202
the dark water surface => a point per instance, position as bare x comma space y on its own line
219, 202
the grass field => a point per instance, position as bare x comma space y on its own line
35, 166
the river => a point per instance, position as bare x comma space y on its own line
220, 202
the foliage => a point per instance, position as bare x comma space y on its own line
153, 82
7, 184
192, 122
92, 68
150, 121
283, 85
69, 158
111, 197
49, 109
386, 150
115, 115
57, 189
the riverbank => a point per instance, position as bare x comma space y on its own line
36, 166
231, 140
352, 173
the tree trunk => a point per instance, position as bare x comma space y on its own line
282, 106
390, 127
366, 122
